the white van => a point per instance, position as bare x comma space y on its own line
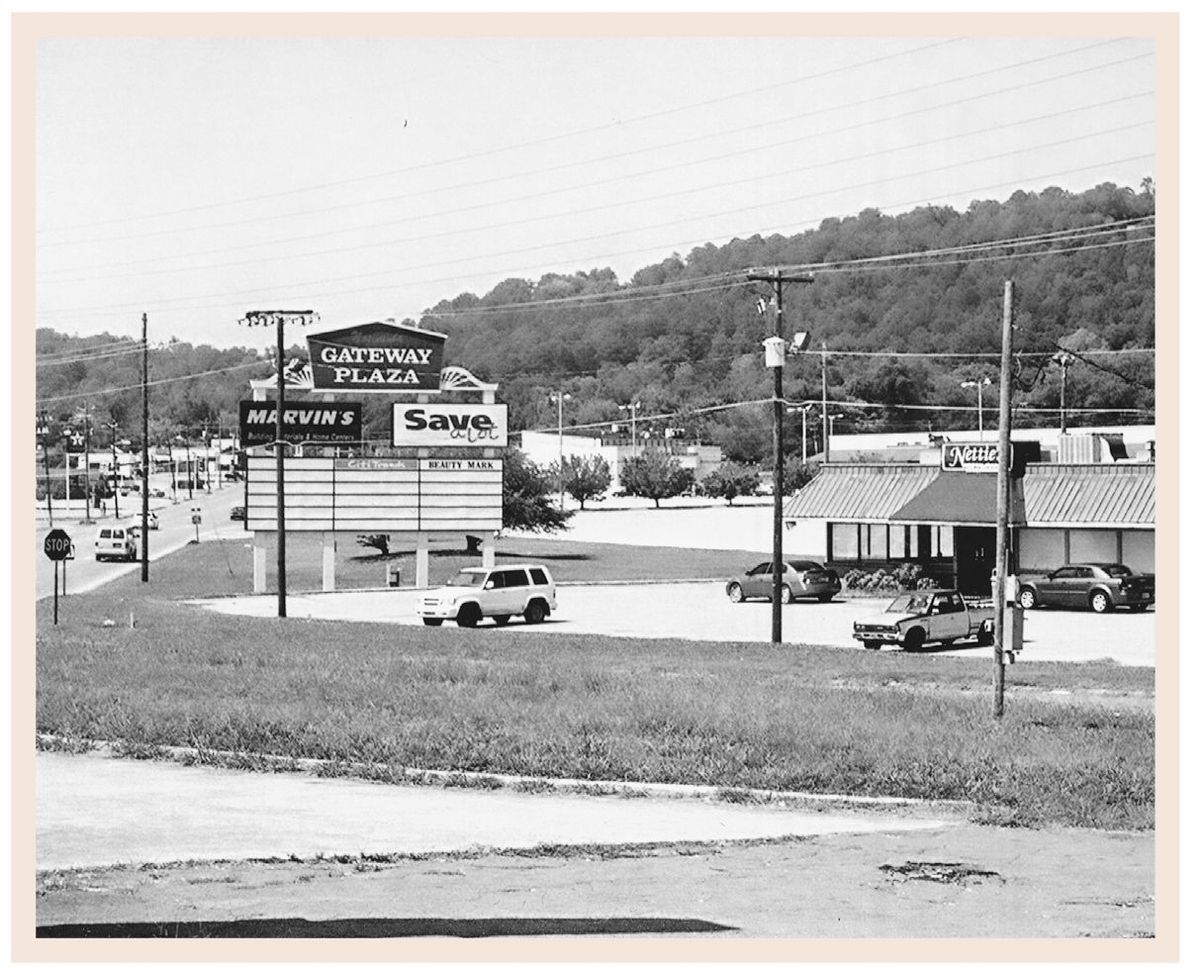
117, 543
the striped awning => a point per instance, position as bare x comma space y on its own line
1096, 495
859, 492
1090, 495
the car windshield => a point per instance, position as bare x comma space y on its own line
1117, 570
467, 578
908, 603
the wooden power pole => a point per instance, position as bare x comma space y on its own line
1003, 495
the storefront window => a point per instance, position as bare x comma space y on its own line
873, 546
897, 545
844, 541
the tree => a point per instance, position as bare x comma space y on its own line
655, 475
586, 478
527, 496
731, 479
796, 473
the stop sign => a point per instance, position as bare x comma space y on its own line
58, 544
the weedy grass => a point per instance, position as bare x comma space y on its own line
732, 715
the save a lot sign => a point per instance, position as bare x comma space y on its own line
377, 357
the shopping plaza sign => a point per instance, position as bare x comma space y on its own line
970, 457
377, 357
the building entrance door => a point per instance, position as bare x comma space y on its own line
974, 556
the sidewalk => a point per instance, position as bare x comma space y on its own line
94, 811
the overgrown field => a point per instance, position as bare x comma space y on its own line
795, 718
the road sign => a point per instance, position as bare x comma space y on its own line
58, 545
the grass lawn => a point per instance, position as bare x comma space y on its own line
806, 719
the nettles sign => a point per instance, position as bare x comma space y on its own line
970, 457
377, 357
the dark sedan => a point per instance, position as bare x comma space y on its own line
800, 578
1096, 586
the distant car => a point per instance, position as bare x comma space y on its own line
158, 494
800, 579
152, 521
501, 593
1096, 586
239, 513
116, 543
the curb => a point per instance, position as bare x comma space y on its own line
367, 771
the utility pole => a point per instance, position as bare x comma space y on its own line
1003, 495
823, 366
87, 463
44, 435
278, 318
112, 427
559, 397
634, 406
775, 360
145, 458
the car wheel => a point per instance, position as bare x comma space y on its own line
1100, 602
785, 594
432, 621
1027, 598
985, 637
535, 612
1138, 608
735, 593
914, 640
469, 615
825, 598
872, 645
502, 620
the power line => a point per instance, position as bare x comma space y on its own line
927, 142
556, 137
125, 308
97, 392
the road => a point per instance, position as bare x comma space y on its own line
176, 530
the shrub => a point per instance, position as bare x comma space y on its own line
908, 576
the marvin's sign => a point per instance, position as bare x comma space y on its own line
303, 422
377, 357
970, 457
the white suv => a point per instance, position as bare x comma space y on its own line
501, 593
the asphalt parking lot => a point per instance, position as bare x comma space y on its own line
701, 611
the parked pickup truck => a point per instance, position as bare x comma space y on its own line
922, 617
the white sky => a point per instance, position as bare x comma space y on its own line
198, 178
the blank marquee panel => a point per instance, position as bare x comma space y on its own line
358, 495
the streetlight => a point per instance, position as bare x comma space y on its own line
1063, 360
634, 406
278, 318
560, 397
832, 423
802, 410
979, 384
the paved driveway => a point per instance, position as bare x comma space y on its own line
701, 611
